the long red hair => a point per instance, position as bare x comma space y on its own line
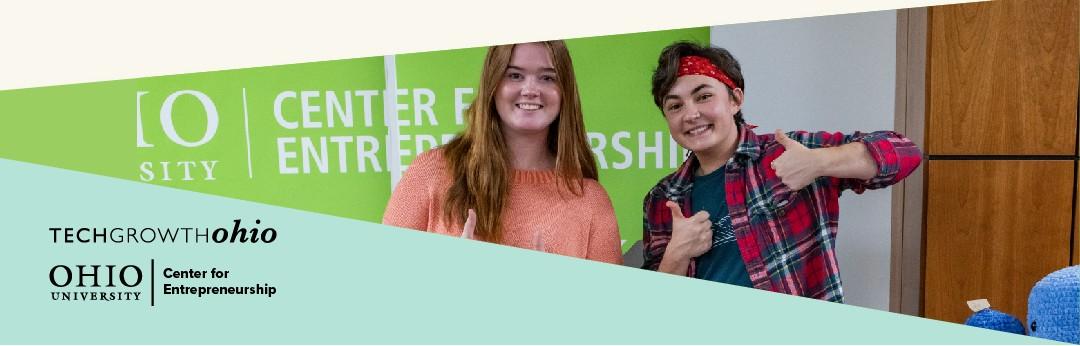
479, 161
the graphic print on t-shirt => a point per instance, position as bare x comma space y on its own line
722, 231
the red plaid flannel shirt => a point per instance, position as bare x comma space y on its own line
787, 238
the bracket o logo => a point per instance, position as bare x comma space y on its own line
166, 115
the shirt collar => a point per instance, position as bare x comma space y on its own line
749, 144
749, 150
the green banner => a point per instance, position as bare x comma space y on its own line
314, 136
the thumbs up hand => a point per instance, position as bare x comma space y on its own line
690, 236
469, 230
798, 166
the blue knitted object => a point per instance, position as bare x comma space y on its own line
1054, 306
995, 320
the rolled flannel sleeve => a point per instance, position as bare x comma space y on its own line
896, 157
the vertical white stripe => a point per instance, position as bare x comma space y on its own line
247, 132
390, 118
140, 141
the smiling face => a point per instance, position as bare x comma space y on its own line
528, 96
701, 114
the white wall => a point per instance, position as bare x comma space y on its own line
834, 73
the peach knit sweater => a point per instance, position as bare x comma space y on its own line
580, 226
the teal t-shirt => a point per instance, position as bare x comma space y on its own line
722, 263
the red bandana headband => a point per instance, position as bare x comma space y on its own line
698, 65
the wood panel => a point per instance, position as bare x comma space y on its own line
1076, 229
1002, 78
993, 229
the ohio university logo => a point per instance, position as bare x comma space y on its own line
96, 282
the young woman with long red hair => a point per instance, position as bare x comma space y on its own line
521, 173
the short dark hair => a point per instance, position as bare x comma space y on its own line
667, 68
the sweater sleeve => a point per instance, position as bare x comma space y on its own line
605, 243
410, 204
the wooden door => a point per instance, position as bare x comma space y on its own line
994, 228
1002, 78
